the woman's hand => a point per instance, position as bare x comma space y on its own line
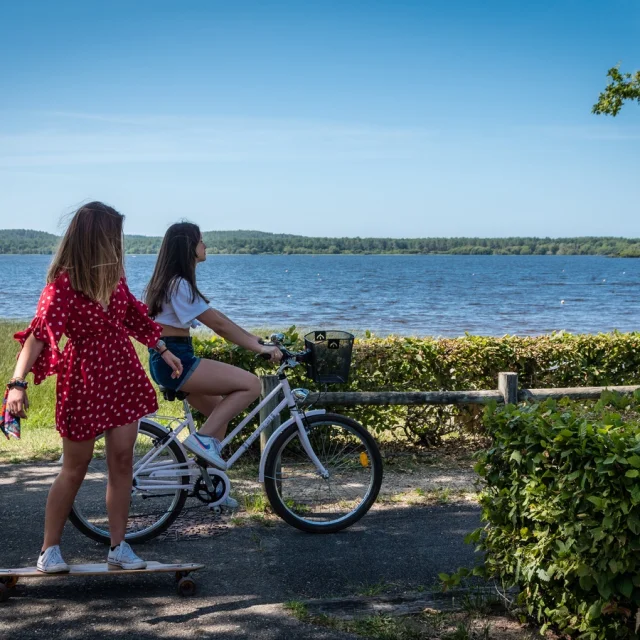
275, 355
173, 361
17, 402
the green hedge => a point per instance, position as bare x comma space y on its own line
421, 364
470, 362
562, 507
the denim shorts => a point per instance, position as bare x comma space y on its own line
161, 372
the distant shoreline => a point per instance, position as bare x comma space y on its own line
346, 253
26, 241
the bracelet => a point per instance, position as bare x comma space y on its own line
163, 352
19, 383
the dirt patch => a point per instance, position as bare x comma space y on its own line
406, 482
197, 522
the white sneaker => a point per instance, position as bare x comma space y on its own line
206, 447
50, 561
124, 557
227, 503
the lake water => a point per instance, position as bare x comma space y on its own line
410, 295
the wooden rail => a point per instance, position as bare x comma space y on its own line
575, 393
507, 392
350, 399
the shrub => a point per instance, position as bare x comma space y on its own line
471, 362
562, 512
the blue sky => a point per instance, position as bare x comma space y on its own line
327, 118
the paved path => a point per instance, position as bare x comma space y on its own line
250, 571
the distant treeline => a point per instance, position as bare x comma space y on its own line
254, 242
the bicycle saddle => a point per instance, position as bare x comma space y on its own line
171, 395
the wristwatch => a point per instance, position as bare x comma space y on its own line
160, 347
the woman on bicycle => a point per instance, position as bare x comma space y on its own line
217, 390
101, 385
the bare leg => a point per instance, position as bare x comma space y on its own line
120, 442
239, 388
75, 462
206, 405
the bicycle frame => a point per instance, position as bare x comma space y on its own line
159, 472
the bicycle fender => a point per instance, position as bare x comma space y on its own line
276, 433
153, 422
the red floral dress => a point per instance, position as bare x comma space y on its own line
101, 383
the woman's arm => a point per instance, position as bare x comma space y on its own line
229, 330
17, 401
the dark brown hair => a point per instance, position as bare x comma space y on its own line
176, 260
91, 251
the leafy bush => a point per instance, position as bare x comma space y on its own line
419, 364
472, 362
562, 507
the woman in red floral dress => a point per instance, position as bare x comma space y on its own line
101, 385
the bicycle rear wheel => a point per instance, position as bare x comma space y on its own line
150, 512
305, 500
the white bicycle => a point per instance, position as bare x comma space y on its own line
321, 471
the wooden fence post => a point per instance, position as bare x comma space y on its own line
508, 387
269, 383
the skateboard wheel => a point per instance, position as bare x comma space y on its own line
4, 592
9, 582
186, 587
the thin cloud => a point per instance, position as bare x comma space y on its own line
168, 139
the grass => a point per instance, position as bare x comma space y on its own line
298, 609
419, 496
256, 503
257, 510
424, 626
428, 625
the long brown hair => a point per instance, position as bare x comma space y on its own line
176, 260
92, 251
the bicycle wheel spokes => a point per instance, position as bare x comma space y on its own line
347, 458
149, 508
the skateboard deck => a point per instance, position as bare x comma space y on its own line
186, 586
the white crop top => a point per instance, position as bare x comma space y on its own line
180, 312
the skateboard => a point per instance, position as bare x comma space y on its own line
185, 585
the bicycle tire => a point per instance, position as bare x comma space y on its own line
273, 483
99, 535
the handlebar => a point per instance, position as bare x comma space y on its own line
297, 357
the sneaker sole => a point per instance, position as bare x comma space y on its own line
129, 568
53, 570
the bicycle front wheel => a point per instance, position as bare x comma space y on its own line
301, 496
150, 511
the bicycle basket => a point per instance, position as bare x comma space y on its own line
330, 356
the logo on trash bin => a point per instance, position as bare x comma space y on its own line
333, 344
321, 336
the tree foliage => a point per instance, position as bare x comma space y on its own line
621, 88
258, 242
